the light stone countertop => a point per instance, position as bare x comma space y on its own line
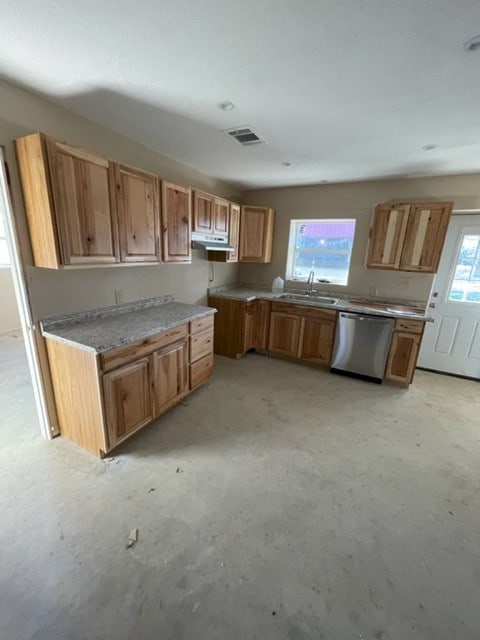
393, 309
102, 329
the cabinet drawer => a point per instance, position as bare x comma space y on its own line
304, 310
412, 326
201, 345
202, 324
120, 355
201, 371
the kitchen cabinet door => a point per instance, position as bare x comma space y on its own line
425, 237
402, 357
234, 231
387, 235
170, 375
128, 399
256, 234
316, 341
220, 216
203, 219
284, 333
82, 186
138, 212
261, 324
176, 223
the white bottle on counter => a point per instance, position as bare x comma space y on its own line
277, 286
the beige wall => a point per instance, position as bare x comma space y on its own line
356, 200
53, 292
9, 318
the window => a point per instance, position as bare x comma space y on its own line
4, 255
322, 246
465, 286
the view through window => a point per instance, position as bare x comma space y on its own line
465, 285
322, 246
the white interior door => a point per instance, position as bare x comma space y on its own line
452, 343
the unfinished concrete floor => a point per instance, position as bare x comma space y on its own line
281, 503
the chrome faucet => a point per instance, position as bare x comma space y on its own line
310, 279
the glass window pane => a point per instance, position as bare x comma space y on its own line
322, 245
465, 285
4, 257
2, 226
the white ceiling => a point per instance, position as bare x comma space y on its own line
342, 89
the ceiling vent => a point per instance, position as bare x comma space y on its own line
245, 136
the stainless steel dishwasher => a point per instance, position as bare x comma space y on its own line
361, 346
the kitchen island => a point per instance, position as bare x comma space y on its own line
114, 370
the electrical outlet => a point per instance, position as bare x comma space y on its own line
403, 282
119, 296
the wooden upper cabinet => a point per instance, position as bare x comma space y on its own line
425, 236
138, 213
256, 234
69, 202
408, 237
176, 223
81, 185
387, 234
234, 232
203, 212
220, 216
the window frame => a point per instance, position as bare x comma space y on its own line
292, 240
3, 237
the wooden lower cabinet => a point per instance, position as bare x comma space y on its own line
316, 340
170, 375
128, 400
103, 399
404, 350
284, 333
240, 325
402, 358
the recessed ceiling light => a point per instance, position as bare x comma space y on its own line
226, 105
430, 147
473, 44
286, 164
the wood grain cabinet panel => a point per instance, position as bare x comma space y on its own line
176, 223
284, 333
316, 341
200, 371
387, 234
402, 358
138, 211
128, 400
203, 221
261, 324
233, 237
170, 375
220, 216
425, 237
408, 237
256, 234
69, 200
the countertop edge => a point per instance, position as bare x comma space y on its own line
123, 342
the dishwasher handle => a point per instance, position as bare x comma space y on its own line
359, 316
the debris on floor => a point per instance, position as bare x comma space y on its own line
152, 489
179, 470
132, 538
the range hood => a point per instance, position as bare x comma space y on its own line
211, 243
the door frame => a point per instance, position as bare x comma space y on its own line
21, 294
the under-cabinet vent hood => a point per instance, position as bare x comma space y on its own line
211, 243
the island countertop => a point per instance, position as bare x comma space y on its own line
102, 329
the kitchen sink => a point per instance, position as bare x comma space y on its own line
306, 298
